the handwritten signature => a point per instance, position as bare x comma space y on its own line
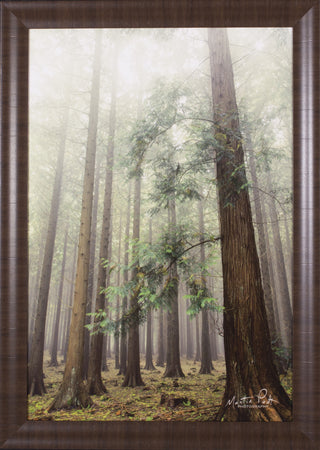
261, 400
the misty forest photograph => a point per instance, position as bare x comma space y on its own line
160, 225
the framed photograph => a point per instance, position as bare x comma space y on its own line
148, 154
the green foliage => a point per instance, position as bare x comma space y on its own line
152, 264
200, 297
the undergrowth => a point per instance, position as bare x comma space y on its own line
198, 396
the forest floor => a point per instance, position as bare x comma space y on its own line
193, 398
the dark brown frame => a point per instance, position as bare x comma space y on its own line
17, 17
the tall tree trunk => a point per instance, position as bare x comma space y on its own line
133, 375
123, 330
149, 363
213, 343
116, 337
206, 362
106, 352
35, 369
91, 270
34, 293
197, 339
54, 349
189, 337
95, 384
279, 326
250, 369
69, 307
173, 365
284, 296
265, 273
160, 358
271, 306
72, 392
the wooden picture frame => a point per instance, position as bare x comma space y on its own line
17, 17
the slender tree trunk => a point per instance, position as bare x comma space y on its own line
91, 270
272, 275
95, 383
123, 330
149, 363
160, 358
197, 339
69, 307
213, 344
206, 362
72, 392
250, 369
116, 337
133, 375
35, 369
35, 290
289, 258
54, 349
104, 362
173, 366
189, 337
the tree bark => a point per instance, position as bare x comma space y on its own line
250, 369
54, 349
173, 365
133, 375
206, 362
197, 339
160, 358
123, 331
149, 363
72, 392
116, 337
95, 384
189, 337
69, 307
91, 270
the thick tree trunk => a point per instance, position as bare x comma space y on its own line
35, 369
94, 382
253, 390
91, 271
54, 349
173, 365
72, 392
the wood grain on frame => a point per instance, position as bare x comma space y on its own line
17, 17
